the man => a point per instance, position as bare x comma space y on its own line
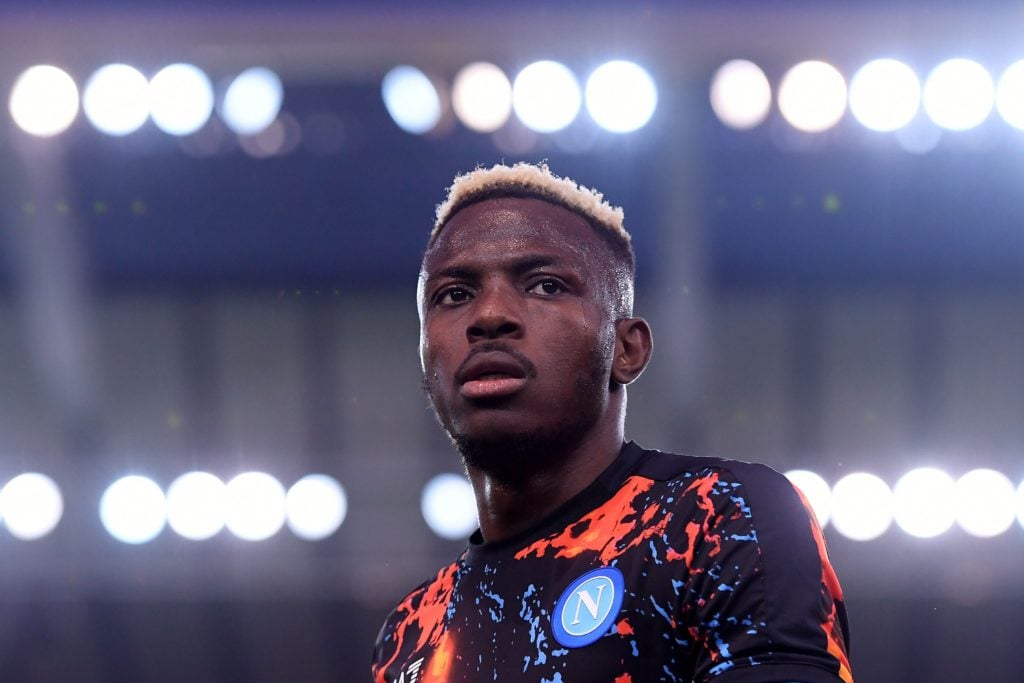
596, 560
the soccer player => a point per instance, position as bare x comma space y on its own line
596, 560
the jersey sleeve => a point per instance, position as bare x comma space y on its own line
763, 603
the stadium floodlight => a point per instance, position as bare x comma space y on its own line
985, 503
116, 99
482, 97
923, 502
133, 509
256, 506
861, 506
958, 94
316, 506
546, 96
252, 101
885, 95
1010, 95
44, 100
621, 96
411, 99
812, 96
449, 507
741, 95
197, 505
31, 506
182, 99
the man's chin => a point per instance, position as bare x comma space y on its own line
506, 454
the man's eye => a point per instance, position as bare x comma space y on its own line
547, 287
453, 295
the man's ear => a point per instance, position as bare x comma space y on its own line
634, 344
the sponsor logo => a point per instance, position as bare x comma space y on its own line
411, 674
586, 609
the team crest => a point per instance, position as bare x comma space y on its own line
586, 609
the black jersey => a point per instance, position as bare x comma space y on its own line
666, 568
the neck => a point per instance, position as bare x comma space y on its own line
509, 505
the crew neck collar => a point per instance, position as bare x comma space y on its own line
597, 492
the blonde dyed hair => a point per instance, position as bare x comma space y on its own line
537, 181
530, 180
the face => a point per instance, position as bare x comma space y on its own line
516, 335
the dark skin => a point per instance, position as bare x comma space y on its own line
523, 356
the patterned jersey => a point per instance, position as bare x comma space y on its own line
666, 568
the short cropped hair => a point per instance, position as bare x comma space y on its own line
537, 181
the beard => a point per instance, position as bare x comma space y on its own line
515, 457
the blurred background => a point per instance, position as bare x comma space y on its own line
216, 461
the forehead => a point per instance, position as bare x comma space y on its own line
511, 226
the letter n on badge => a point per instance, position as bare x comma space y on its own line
586, 609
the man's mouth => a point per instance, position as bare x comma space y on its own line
491, 375
492, 386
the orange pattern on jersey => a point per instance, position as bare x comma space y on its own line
605, 529
441, 661
702, 486
828, 577
428, 616
599, 530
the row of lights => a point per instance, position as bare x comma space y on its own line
883, 95
253, 506
118, 99
545, 97
925, 502
813, 96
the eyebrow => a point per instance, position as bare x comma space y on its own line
517, 266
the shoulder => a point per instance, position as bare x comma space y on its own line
762, 484
663, 465
420, 611
752, 502
757, 537
435, 590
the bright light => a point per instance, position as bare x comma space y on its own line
482, 97
741, 94
31, 506
924, 502
958, 94
812, 96
1010, 95
448, 506
182, 99
885, 95
116, 99
861, 506
621, 96
252, 101
133, 509
817, 492
985, 503
546, 96
316, 506
44, 101
197, 505
256, 506
411, 99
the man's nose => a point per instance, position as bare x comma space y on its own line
497, 315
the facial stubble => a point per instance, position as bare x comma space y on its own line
514, 457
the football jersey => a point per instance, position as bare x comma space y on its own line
666, 568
